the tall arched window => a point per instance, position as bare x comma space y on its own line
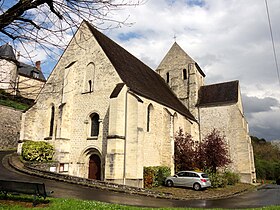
184, 74
90, 85
149, 114
89, 78
94, 118
52, 120
167, 77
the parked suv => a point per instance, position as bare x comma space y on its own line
196, 180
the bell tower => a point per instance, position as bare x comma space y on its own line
183, 75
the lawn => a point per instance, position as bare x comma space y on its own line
20, 202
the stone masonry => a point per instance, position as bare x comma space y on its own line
10, 122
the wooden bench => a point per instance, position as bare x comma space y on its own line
31, 188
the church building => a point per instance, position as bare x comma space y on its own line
109, 115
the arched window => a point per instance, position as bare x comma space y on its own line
94, 118
90, 86
52, 121
149, 114
89, 78
184, 74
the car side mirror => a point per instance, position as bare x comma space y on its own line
175, 176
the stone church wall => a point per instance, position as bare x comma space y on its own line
231, 123
9, 127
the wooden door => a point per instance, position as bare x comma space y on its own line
94, 167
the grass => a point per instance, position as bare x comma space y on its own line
14, 101
25, 203
13, 104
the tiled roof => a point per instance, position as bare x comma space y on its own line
217, 94
6, 51
140, 78
27, 71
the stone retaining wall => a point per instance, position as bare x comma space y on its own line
10, 122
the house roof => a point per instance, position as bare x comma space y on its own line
27, 71
140, 78
216, 94
7, 52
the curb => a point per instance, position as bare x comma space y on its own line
14, 161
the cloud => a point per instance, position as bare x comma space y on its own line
265, 125
263, 115
256, 105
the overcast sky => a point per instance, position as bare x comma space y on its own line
229, 39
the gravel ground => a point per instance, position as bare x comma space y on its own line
210, 193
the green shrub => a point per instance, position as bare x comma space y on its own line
37, 151
217, 180
232, 178
154, 176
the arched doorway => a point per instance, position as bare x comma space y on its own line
94, 169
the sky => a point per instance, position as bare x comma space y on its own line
229, 39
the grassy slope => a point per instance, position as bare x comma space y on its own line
69, 204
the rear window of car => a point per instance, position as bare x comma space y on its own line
204, 175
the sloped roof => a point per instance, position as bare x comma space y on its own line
27, 71
7, 52
176, 51
140, 78
217, 94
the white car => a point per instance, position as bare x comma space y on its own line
196, 180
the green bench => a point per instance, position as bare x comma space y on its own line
38, 190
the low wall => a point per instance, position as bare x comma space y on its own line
10, 122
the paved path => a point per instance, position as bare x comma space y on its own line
268, 195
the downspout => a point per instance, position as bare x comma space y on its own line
199, 128
125, 136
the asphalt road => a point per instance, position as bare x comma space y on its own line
267, 195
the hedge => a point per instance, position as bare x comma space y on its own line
37, 151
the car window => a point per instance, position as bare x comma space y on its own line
187, 174
204, 175
181, 174
195, 175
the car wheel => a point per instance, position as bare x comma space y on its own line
169, 183
196, 186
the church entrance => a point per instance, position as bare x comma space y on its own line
94, 170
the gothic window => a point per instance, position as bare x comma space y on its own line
167, 77
89, 78
94, 118
149, 113
90, 86
52, 121
184, 74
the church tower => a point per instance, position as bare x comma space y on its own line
183, 75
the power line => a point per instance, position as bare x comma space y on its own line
272, 41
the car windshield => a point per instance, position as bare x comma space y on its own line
204, 175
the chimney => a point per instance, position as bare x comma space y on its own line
18, 55
38, 65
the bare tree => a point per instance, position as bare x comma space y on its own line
46, 23
36, 25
